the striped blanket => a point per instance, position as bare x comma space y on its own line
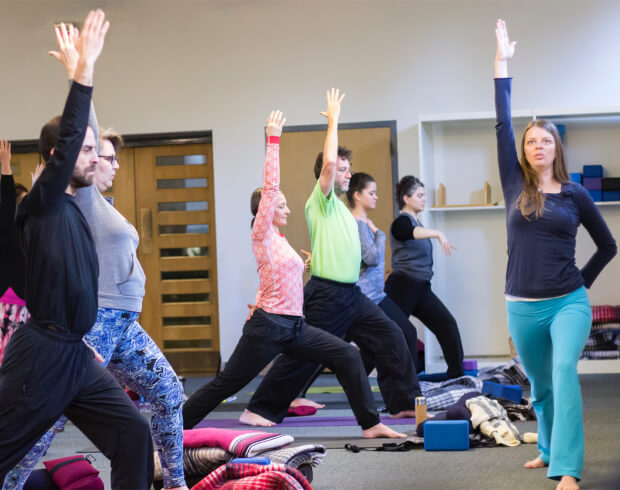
236, 476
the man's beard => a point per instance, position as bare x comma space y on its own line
79, 181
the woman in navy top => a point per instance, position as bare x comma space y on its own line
549, 315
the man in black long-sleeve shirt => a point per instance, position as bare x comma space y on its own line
48, 370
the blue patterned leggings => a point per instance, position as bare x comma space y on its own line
136, 362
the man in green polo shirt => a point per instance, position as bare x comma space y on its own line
332, 301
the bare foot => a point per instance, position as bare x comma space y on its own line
535, 463
567, 483
382, 431
403, 414
251, 418
298, 402
178, 488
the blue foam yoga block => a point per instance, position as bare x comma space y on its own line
611, 195
576, 177
510, 392
446, 435
596, 195
471, 372
592, 170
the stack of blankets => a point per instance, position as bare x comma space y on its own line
604, 341
209, 449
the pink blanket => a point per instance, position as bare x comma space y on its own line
254, 476
241, 443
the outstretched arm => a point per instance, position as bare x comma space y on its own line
271, 177
67, 54
55, 178
510, 172
330, 148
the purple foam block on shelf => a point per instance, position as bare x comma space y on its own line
596, 195
446, 435
576, 177
593, 183
611, 195
592, 171
470, 364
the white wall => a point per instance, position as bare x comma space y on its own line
223, 65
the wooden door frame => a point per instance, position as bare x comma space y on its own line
132, 140
391, 124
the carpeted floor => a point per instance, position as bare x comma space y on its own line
483, 468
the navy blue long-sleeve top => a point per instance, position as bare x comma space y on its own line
12, 262
541, 252
61, 262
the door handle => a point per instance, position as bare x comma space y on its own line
146, 230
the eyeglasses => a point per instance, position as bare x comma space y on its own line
109, 158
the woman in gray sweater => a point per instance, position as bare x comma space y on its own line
362, 197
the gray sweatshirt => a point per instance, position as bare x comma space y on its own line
121, 277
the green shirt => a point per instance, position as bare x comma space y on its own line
336, 249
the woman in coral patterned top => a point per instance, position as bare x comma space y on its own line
277, 325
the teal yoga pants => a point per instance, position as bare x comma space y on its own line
550, 336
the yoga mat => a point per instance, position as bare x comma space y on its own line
311, 421
316, 390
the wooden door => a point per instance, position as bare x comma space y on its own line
174, 206
373, 152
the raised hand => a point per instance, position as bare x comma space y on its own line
37, 172
334, 99
5, 157
505, 48
67, 54
89, 45
275, 124
308, 261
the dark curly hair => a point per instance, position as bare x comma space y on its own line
343, 152
406, 187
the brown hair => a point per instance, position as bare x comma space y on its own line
255, 202
343, 152
358, 183
113, 137
531, 200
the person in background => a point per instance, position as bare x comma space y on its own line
409, 284
362, 198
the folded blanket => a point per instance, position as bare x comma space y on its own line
492, 420
605, 313
511, 373
440, 396
242, 443
196, 461
296, 456
252, 476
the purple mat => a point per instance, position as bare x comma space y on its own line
310, 421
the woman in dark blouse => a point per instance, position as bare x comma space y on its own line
549, 315
409, 284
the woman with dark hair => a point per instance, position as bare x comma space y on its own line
277, 325
362, 198
409, 284
549, 314
13, 311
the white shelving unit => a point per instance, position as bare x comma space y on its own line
459, 151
